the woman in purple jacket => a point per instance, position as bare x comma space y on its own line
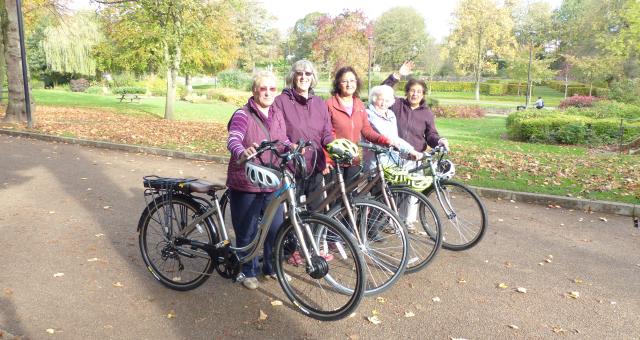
258, 120
307, 118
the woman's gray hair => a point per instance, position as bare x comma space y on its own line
259, 76
384, 91
301, 66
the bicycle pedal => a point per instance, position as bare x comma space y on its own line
222, 244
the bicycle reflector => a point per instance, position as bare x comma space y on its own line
262, 176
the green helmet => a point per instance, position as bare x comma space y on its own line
342, 148
419, 182
395, 174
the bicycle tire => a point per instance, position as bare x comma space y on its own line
463, 214
299, 285
165, 261
425, 240
385, 247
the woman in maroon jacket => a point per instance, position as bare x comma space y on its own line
416, 122
258, 120
307, 118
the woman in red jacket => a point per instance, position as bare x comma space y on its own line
348, 114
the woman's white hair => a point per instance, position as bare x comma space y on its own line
384, 91
258, 77
302, 66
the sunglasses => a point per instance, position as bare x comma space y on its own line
264, 89
300, 73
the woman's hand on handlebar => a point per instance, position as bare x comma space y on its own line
248, 153
415, 155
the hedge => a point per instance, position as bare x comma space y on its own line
129, 90
555, 127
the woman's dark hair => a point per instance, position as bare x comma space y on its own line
339, 74
414, 81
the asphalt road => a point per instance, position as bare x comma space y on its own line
71, 210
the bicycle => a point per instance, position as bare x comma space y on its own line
466, 216
183, 239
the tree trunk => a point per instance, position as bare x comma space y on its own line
590, 88
187, 83
518, 89
566, 84
477, 67
16, 108
173, 65
2, 64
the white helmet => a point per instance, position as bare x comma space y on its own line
446, 169
262, 176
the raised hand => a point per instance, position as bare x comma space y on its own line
406, 68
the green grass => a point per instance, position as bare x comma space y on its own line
212, 111
550, 96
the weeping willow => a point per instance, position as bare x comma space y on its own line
68, 46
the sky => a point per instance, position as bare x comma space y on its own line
437, 13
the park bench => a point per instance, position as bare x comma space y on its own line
129, 97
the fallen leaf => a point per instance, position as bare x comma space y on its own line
550, 256
541, 263
502, 285
512, 201
374, 319
99, 235
352, 315
354, 337
83, 178
375, 312
613, 302
559, 330
521, 290
603, 219
462, 281
507, 264
574, 295
106, 207
514, 327
51, 330
500, 220
263, 316
380, 299
52, 212
171, 314
276, 303
577, 281
93, 259
58, 275
436, 299
409, 314
547, 260
118, 284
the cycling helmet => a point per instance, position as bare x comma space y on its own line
419, 182
395, 174
342, 148
446, 169
262, 176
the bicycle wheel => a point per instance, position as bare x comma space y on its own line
308, 290
423, 226
384, 242
465, 217
177, 267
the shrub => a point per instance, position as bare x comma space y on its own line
557, 127
123, 80
626, 91
129, 90
235, 79
79, 85
448, 86
513, 88
459, 112
578, 101
237, 98
493, 89
606, 109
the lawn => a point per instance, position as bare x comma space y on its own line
483, 156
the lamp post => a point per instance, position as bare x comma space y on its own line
370, 38
25, 77
528, 94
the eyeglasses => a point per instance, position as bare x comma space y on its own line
300, 73
349, 81
264, 89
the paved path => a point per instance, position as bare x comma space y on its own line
73, 210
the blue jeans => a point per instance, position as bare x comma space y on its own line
246, 211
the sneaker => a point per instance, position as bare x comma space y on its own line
250, 283
295, 259
275, 277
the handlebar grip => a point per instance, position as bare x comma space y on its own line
366, 145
